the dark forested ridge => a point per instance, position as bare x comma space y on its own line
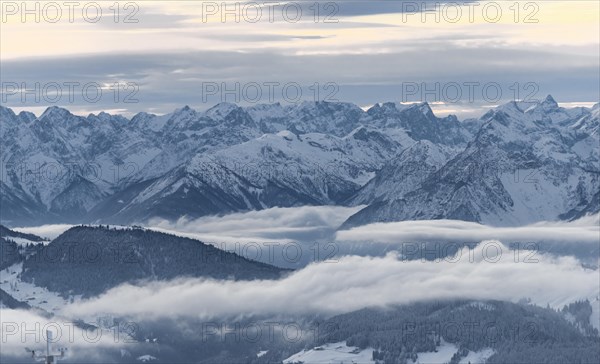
89, 260
11, 252
518, 333
8, 233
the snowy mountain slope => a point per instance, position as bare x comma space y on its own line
283, 169
319, 165
112, 152
60, 162
336, 119
521, 167
400, 159
208, 189
404, 173
332, 353
419, 123
587, 122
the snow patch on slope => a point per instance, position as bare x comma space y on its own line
336, 353
35, 296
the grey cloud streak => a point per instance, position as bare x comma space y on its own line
162, 89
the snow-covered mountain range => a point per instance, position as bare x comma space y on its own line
518, 163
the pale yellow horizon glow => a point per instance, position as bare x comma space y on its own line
573, 24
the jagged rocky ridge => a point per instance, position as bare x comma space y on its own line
518, 163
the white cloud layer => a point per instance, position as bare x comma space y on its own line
356, 282
306, 223
271, 230
50, 231
585, 230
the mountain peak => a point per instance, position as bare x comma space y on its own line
184, 110
55, 112
419, 107
27, 116
221, 109
7, 112
142, 114
549, 103
394, 107
425, 109
550, 99
102, 116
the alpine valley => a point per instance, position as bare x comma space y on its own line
160, 287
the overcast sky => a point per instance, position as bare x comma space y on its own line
189, 53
